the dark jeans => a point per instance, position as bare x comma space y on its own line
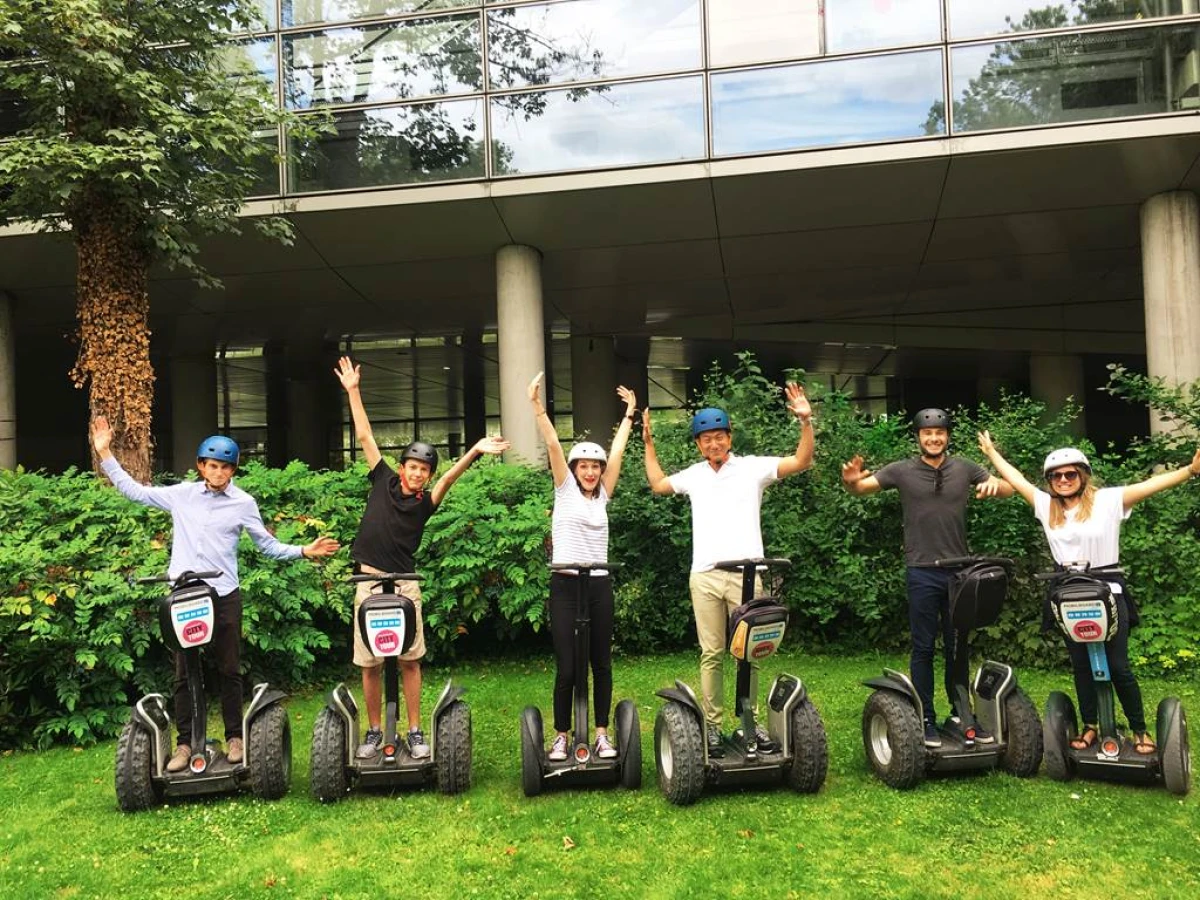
929, 603
225, 650
564, 602
1124, 681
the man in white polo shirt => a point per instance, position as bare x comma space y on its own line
725, 491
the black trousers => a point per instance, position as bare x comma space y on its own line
564, 603
225, 650
1124, 682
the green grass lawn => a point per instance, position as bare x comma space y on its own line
982, 836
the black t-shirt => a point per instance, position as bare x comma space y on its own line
935, 505
392, 523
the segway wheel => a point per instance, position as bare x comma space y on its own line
270, 749
328, 779
453, 748
679, 750
531, 751
1174, 754
894, 740
135, 785
810, 750
1023, 736
1058, 730
629, 742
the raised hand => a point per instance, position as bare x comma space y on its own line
494, 445
535, 388
647, 437
797, 401
853, 471
102, 434
630, 399
322, 546
348, 373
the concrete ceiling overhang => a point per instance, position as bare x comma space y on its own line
1023, 241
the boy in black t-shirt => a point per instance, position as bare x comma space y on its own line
388, 537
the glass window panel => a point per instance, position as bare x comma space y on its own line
867, 24
766, 30
591, 39
876, 98
12, 113
597, 127
308, 12
251, 59
378, 63
973, 18
397, 145
1075, 77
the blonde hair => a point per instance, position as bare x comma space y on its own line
1087, 497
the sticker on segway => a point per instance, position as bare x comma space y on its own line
384, 630
1086, 621
758, 641
193, 621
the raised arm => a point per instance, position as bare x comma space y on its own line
1007, 470
554, 451
799, 407
158, 497
350, 375
1132, 494
857, 479
493, 446
616, 453
659, 483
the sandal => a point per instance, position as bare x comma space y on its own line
1085, 740
1144, 744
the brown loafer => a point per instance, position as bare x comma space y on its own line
235, 751
179, 759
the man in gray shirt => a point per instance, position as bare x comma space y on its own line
934, 488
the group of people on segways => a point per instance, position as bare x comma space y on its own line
992, 722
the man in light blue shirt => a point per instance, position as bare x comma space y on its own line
208, 518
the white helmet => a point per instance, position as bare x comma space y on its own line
587, 450
1066, 456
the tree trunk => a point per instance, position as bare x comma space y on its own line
112, 308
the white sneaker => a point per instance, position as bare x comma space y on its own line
604, 747
558, 750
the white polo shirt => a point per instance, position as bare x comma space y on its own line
726, 507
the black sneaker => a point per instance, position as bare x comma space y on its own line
982, 735
370, 745
933, 737
765, 742
417, 748
716, 747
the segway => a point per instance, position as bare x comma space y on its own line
1085, 608
893, 719
387, 622
186, 618
799, 756
581, 767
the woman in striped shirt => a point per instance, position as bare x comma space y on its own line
583, 483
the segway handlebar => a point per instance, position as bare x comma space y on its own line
1081, 567
583, 566
184, 576
385, 576
733, 565
971, 560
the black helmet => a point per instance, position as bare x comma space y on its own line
931, 418
421, 452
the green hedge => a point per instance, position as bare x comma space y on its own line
78, 641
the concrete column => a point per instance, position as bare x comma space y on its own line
1056, 378
474, 386
193, 379
633, 360
312, 403
1171, 289
594, 403
8, 385
520, 339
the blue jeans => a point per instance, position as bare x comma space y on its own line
929, 602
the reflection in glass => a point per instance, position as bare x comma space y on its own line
251, 61
762, 31
12, 113
590, 39
834, 102
398, 145
377, 63
975, 18
597, 127
1075, 77
870, 24
266, 166
304, 12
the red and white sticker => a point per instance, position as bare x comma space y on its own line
386, 641
195, 632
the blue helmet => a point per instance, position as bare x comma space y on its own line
220, 448
710, 419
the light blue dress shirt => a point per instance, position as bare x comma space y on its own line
206, 523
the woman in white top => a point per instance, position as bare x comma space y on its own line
1082, 523
583, 484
